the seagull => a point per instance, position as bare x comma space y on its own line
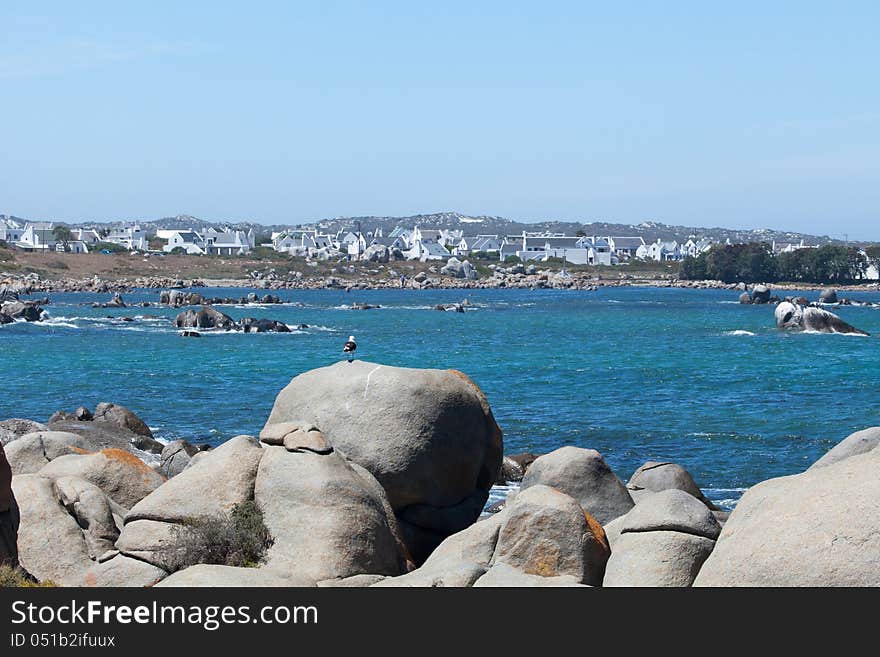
349, 348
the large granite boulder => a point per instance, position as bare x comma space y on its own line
546, 532
428, 436
93, 512
209, 489
205, 318
656, 476
663, 541
16, 427
856, 443
819, 528
325, 518
32, 451
120, 474
222, 478
584, 475
51, 544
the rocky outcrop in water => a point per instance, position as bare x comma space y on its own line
179, 299
29, 311
205, 318
115, 302
808, 318
251, 325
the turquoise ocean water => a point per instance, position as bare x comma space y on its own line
637, 373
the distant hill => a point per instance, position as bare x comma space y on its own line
484, 224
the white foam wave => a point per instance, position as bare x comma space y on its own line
857, 335
739, 332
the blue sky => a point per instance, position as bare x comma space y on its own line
744, 114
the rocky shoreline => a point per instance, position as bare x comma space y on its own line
513, 277
357, 478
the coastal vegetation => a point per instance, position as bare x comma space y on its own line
755, 262
14, 577
241, 539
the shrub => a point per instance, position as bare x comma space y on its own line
512, 260
108, 246
240, 539
13, 577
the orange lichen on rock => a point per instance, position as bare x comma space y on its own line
597, 529
127, 457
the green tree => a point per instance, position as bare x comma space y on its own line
62, 234
694, 269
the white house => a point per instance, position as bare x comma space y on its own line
425, 246
541, 246
10, 231
660, 251
788, 247
625, 248
188, 240
85, 235
478, 244
228, 242
132, 237
38, 236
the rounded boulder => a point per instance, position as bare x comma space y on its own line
428, 436
584, 475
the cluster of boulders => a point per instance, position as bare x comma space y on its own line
115, 302
369, 475
208, 317
759, 294
179, 299
798, 313
459, 269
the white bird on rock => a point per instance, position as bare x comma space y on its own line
349, 348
